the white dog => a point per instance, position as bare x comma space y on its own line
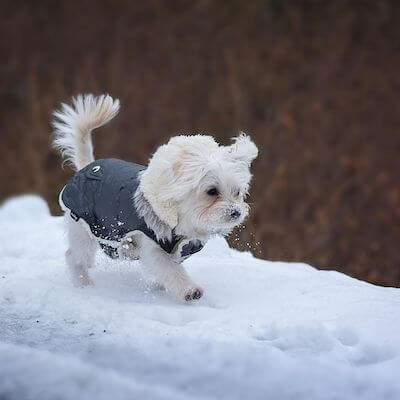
191, 189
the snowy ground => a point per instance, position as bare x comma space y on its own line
263, 330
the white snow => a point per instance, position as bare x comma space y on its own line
264, 330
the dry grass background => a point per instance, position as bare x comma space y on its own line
316, 83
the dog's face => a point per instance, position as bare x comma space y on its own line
198, 186
217, 203
211, 185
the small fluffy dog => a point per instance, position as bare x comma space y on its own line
191, 189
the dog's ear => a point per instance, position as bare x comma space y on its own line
177, 167
173, 171
243, 149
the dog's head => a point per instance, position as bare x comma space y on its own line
199, 187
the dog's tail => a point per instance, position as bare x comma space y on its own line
74, 123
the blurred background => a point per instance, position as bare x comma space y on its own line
314, 82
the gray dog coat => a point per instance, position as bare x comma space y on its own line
101, 194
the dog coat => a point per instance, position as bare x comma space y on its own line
101, 194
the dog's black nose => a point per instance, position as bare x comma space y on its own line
235, 214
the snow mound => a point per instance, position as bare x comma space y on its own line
264, 330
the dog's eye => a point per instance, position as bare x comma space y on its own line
237, 194
212, 192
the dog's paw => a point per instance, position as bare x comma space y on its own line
193, 294
86, 281
128, 249
82, 280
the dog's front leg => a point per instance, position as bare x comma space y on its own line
168, 273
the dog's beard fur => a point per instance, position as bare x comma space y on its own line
198, 187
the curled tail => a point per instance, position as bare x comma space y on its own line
74, 123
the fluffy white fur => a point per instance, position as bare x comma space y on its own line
192, 185
74, 124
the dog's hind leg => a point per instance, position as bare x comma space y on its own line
81, 252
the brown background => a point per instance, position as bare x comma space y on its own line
316, 83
